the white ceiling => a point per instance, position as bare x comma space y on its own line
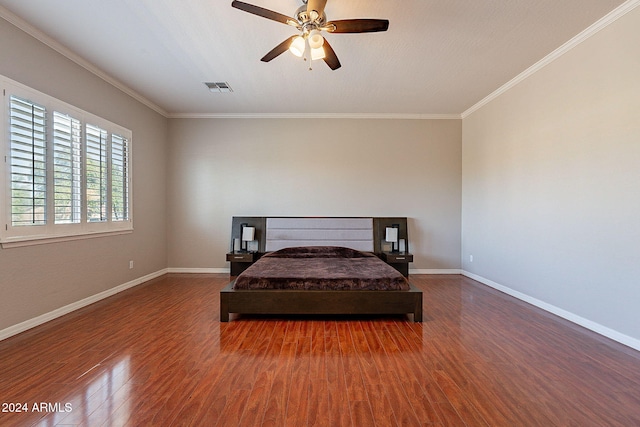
439, 57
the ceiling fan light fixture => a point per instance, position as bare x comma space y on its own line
310, 19
317, 53
298, 46
315, 39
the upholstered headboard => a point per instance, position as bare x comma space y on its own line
361, 233
354, 233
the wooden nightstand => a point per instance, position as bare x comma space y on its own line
240, 261
398, 260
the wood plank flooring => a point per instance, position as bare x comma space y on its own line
156, 355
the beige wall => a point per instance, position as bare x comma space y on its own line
551, 183
220, 168
39, 279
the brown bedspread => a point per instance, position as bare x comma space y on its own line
321, 268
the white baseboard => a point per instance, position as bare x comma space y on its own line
36, 321
221, 270
434, 271
586, 323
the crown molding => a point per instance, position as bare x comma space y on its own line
600, 24
378, 116
63, 50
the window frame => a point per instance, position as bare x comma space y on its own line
23, 235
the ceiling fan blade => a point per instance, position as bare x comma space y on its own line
265, 13
317, 5
278, 50
357, 25
330, 56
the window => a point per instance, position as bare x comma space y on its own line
66, 173
28, 163
67, 158
119, 178
96, 165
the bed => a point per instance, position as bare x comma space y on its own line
320, 266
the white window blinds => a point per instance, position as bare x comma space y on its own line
66, 172
96, 170
67, 160
120, 177
28, 150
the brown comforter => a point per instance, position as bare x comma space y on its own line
321, 268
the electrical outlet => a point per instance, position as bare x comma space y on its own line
470, 258
130, 265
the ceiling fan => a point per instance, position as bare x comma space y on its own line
311, 20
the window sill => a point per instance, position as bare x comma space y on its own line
18, 242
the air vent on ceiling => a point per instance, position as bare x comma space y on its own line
219, 87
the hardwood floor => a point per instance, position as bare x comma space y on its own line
156, 355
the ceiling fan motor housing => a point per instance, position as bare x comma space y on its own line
307, 19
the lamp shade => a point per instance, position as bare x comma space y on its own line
297, 46
248, 233
317, 53
391, 235
315, 39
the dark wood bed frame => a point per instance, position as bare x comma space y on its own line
315, 302
277, 301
